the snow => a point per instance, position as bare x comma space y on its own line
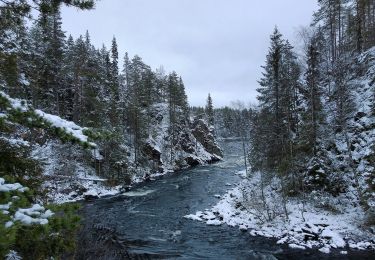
92, 193
13, 255
318, 228
69, 126
193, 217
336, 239
34, 215
8, 224
214, 222
56, 121
325, 250
96, 154
295, 246
15, 142
11, 186
5, 206
92, 187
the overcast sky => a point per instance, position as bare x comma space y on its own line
217, 46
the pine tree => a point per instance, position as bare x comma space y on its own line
136, 120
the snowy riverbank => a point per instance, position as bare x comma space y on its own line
307, 225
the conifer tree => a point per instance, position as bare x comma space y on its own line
48, 46
114, 85
173, 117
210, 110
312, 93
136, 120
183, 101
278, 103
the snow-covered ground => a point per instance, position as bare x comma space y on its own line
306, 226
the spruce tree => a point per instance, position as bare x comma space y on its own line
183, 101
114, 85
210, 111
48, 46
278, 103
313, 114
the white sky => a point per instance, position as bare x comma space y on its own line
217, 46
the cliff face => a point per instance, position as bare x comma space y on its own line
204, 135
180, 147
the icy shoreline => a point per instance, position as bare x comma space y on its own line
314, 229
92, 187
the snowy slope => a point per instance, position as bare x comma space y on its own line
306, 226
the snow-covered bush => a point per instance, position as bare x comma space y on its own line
263, 198
30, 229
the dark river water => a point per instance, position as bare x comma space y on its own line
148, 222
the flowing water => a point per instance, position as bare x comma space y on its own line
148, 221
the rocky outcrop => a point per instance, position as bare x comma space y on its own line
187, 147
203, 133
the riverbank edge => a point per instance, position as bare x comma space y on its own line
328, 240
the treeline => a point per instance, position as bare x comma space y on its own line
228, 122
233, 122
308, 109
73, 79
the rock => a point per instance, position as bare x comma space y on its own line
325, 250
192, 161
203, 134
214, 222
312, 230
90, 195
238, 205
243, 228
78, 188
335, 238
359, 115
309, 236
150, 150
370, 216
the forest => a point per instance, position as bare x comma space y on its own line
79, 122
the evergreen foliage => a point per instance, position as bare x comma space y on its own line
210, 110
311, 117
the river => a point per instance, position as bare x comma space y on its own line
148, 222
